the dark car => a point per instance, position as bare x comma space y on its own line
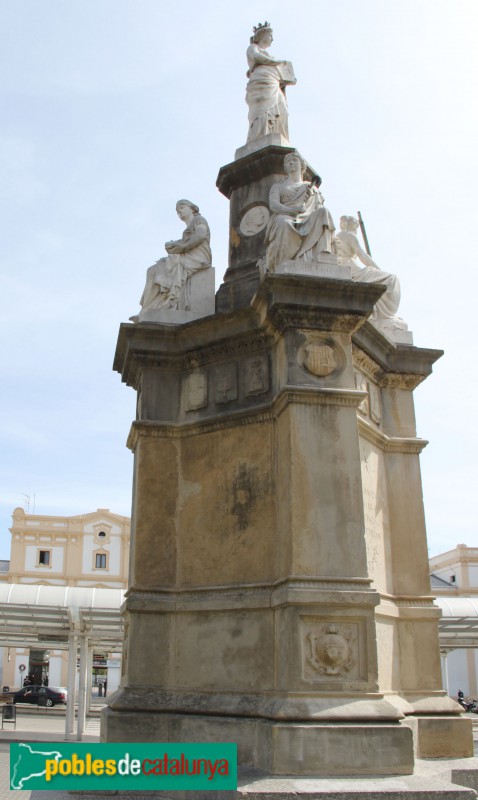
41, 695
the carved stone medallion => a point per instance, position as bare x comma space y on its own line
330, 652
330, 649
254, 220
320, 356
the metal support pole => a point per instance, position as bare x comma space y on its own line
82, 687
444, 670
70, 705
89, 677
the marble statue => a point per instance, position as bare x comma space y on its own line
167, 284
300, 227
348, 251
265, 92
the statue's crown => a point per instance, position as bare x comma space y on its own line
261, 27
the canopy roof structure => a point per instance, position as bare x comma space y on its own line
458, 626
33, 615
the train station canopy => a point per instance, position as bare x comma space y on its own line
46, 616
40, 615
458, 626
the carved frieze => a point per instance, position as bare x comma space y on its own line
225, 383
362, 385
375, 403
195, 390
256, 371
371, 406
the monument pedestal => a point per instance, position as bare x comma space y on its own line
251, 615
279, 590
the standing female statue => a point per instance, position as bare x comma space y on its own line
167, 280
265, 92
300, 226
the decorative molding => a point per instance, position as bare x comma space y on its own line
388, 444
263, 412
142, 599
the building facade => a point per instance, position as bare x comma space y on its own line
455, 574
88, 550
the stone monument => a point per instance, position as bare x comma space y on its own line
279, 592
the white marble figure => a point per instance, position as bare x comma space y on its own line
265, 92
300, 227
167, 281
348, 250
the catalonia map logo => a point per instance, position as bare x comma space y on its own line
135, 766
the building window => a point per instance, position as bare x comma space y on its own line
102, 535
44, 558
100, 561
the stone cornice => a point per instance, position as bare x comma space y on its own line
320, 303
390, 444
392, 365
188, 346
310, 395
263, 412
252, 167
291, 591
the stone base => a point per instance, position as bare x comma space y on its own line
275, 747
202, 302
395, 335
325, 267
430, 781
258, 144
441, 737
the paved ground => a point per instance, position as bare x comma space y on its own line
38, 725
42, 725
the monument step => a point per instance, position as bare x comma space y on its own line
432, 780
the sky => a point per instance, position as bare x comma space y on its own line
111, 110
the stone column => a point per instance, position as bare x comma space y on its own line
407, 619
247, 182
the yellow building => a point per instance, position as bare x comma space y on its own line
88, 550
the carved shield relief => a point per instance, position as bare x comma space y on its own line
320, 355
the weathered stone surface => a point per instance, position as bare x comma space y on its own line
442, 737
277, 505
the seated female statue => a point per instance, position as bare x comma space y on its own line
348, 250
300, 227
167, 280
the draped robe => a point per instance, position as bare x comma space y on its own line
297, 235
167, 280
264, 96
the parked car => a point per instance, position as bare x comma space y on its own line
41, 695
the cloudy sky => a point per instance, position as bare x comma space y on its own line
113, 109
